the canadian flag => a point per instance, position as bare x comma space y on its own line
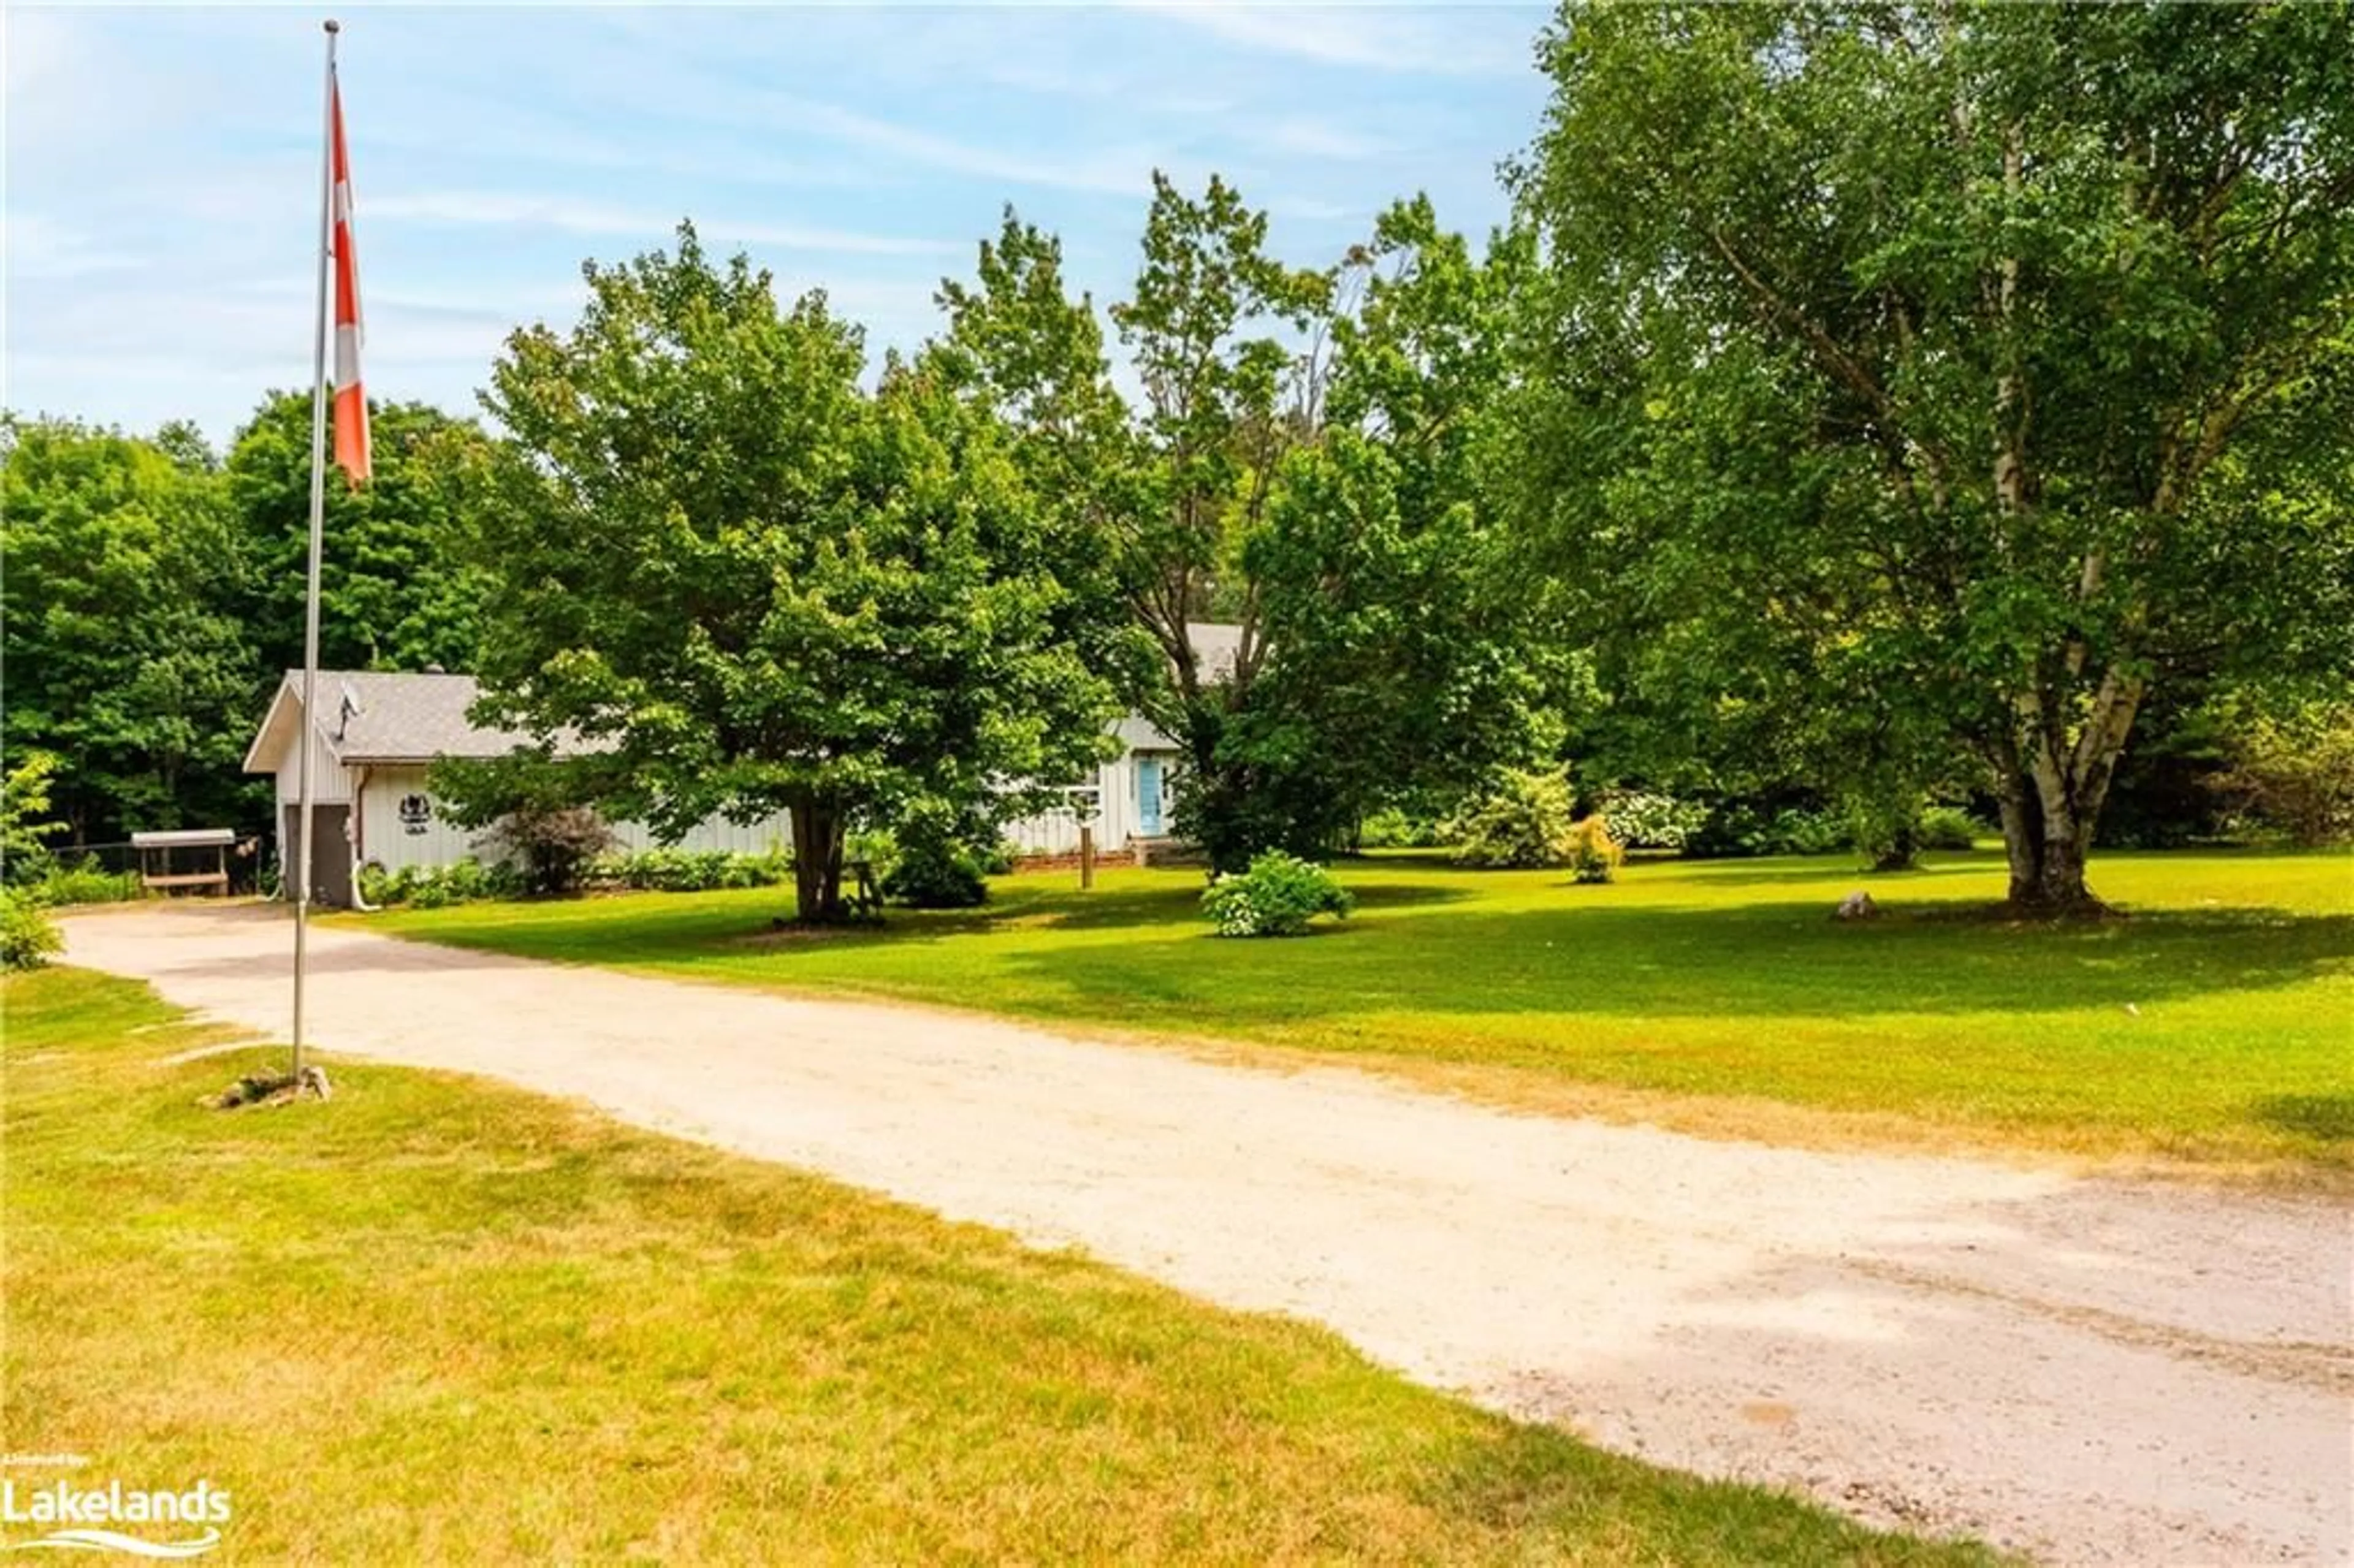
351, 398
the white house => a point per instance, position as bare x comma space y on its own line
1132, 797
377, 734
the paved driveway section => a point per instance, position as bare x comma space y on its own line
2091, 1371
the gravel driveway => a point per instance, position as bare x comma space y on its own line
2089, 1371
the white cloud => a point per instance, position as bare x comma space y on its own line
575, 214
1462, 41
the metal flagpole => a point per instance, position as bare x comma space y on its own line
303, 810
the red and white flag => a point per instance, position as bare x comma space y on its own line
351, 398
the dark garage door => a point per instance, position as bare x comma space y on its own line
331, 862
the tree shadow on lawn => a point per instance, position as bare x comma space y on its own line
2326, 1118
1177, 911
1777, 959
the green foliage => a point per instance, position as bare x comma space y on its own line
124, 656
1948, 828
690, 871
940, 861
67, 880
550, 847
1913, 390
24, 815
1392, 827
468, 881
754, 585
28, 938
1641, 819
1278, 897
1750, 828
1404, 654
1593, 854
2292, 771
1518, 821
396, 590
1885, 829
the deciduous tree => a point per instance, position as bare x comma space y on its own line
728, 579
1975, 367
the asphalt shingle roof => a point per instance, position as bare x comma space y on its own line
374, 715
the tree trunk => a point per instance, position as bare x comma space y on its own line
817, 866
2052, 794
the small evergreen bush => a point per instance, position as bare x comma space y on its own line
1518, 821
1278, 897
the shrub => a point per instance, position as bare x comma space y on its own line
1521, 820
1594, 854
28, 939
1741, 828
1885, 831
1392, 828
23, 803
1949, 828
86, 882
554, 845
1641, 820
689, 871
1278, 897
2294, 772
431, 887
932, 874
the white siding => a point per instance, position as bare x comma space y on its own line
772, 832
329, 782
427, 838
423, 839
1057, 833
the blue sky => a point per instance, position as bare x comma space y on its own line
161, 164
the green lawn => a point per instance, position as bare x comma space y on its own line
437, 1320
2213, 1026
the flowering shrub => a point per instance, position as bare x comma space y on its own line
1519, 820
1276, 897
1641, 820
1594, 854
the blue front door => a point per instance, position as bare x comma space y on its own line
1148, 797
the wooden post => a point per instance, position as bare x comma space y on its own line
1087, 856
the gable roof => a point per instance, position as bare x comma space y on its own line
380, 716
374, 715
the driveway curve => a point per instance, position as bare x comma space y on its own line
2086, 1370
